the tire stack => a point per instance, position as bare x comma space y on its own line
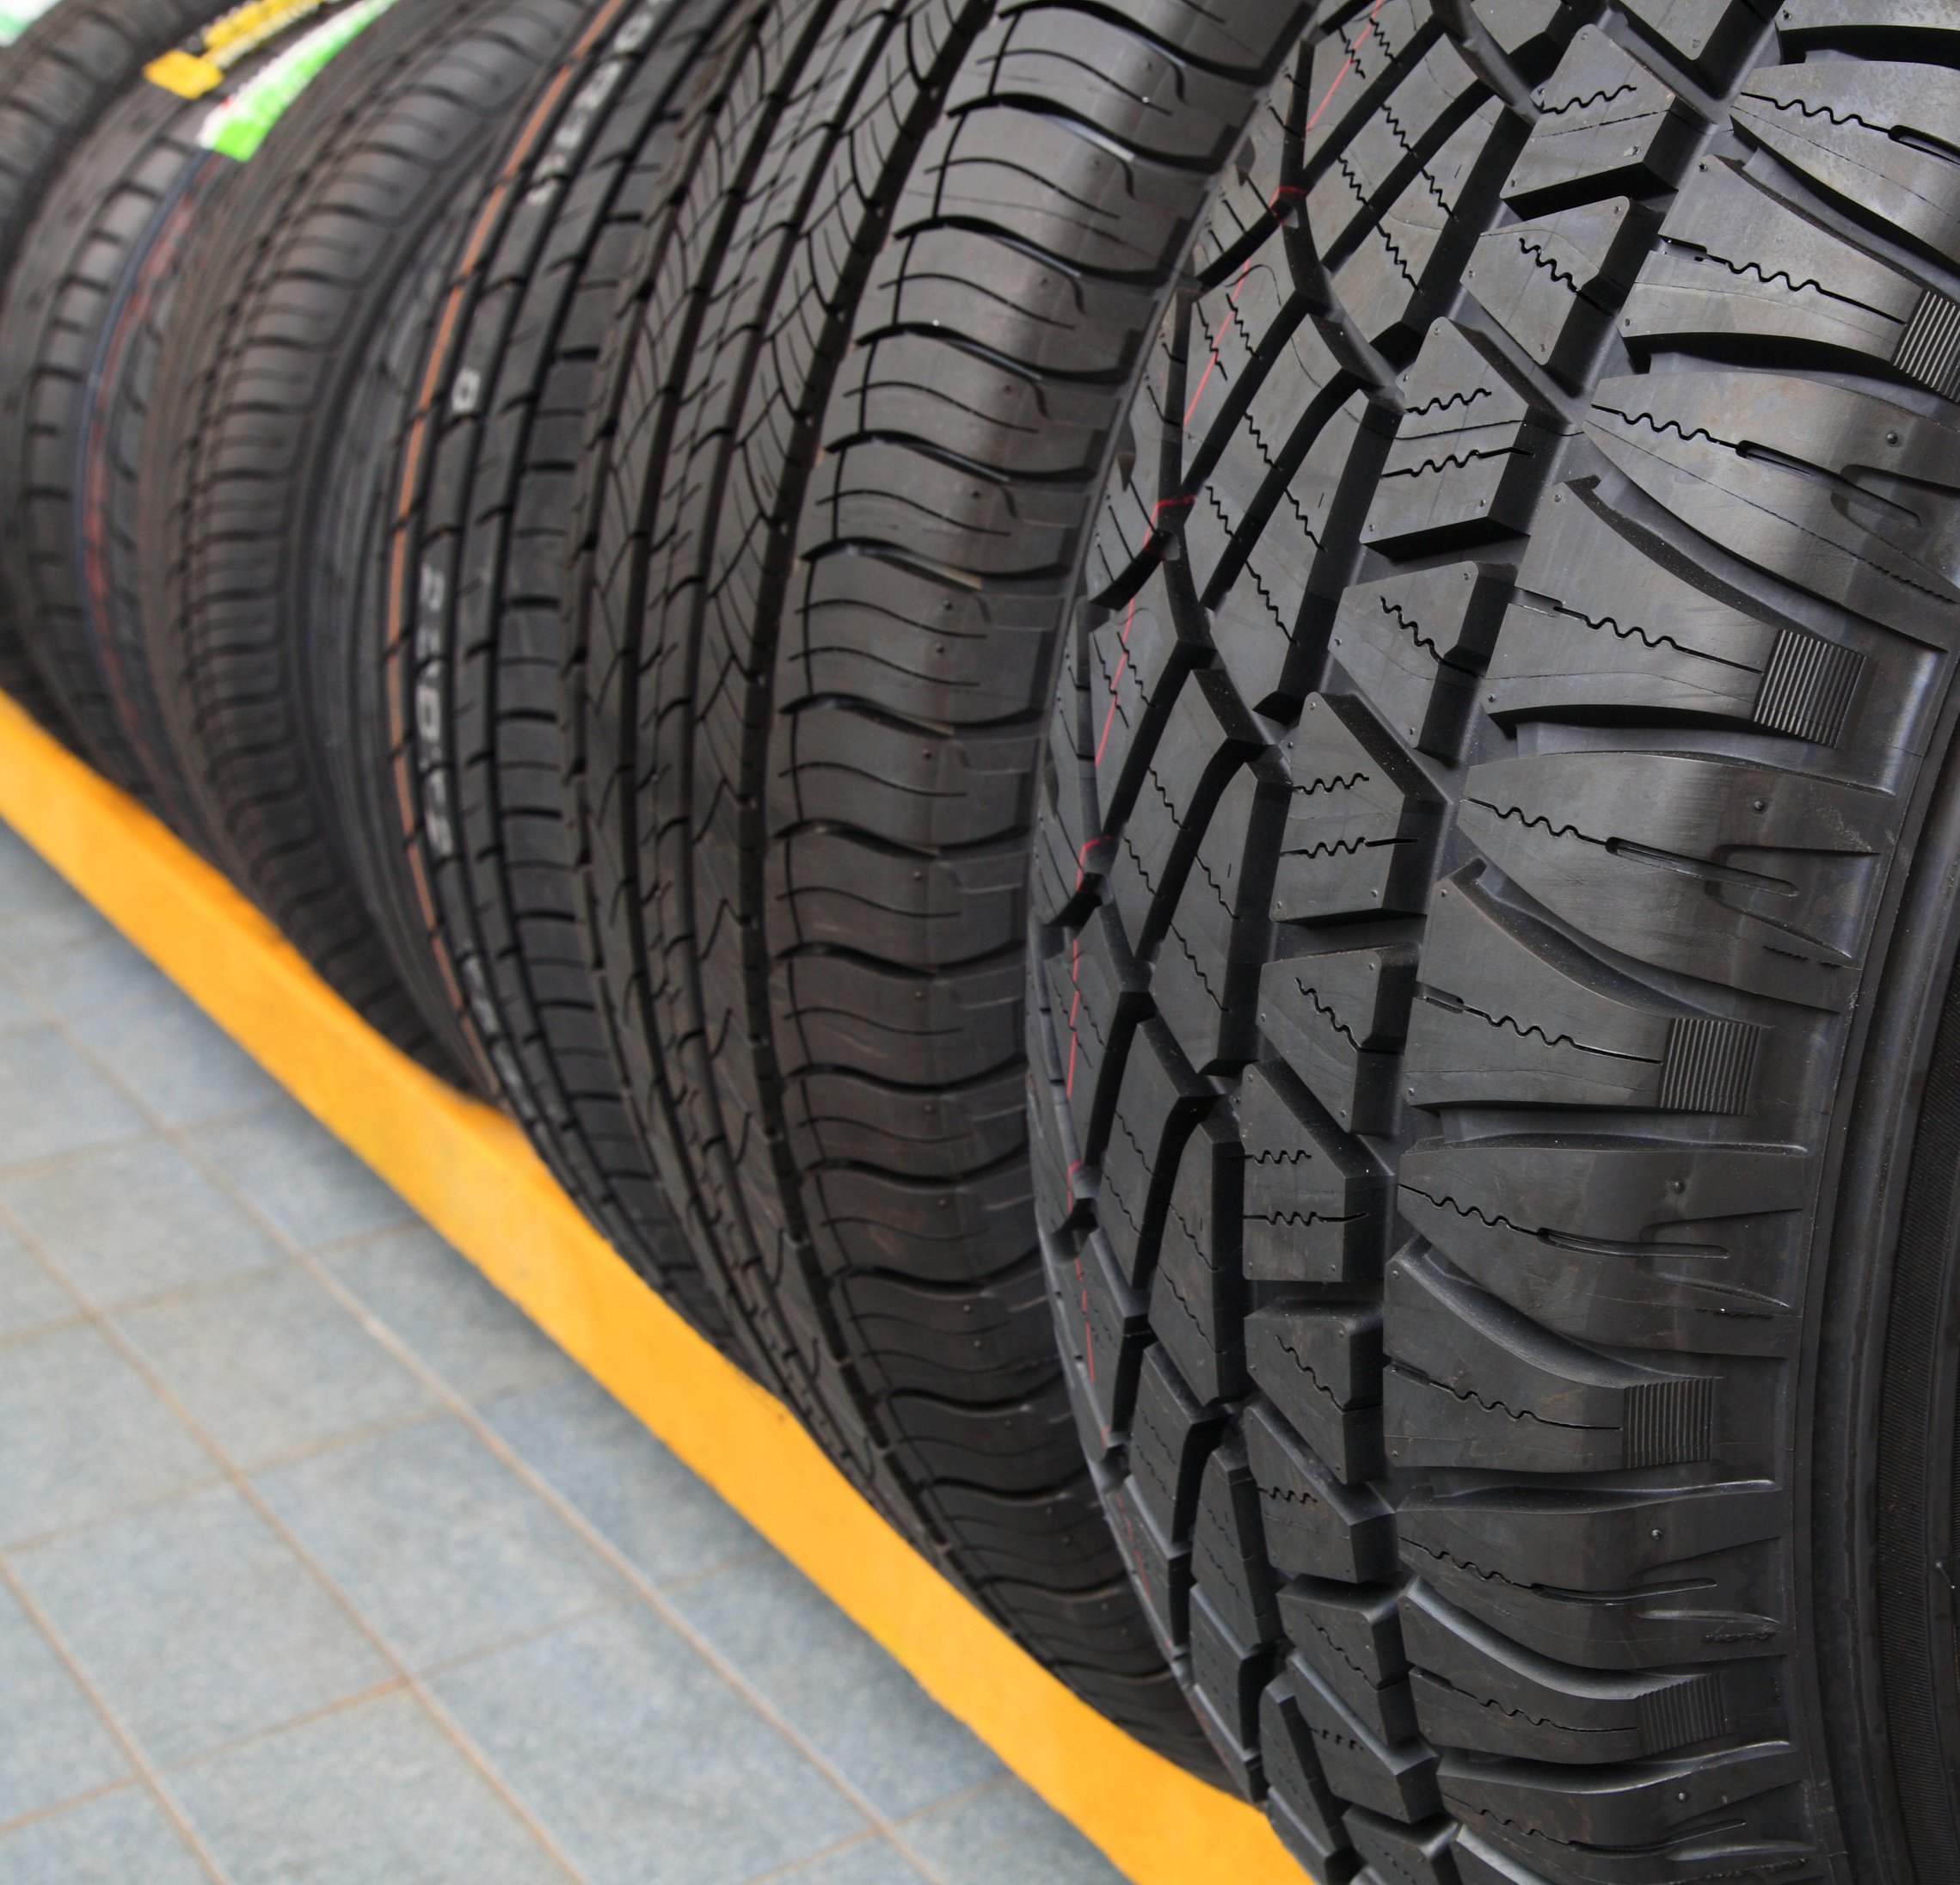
1195, 759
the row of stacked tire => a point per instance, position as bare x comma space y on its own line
1171, 746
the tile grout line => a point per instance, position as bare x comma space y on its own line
131, 1749
241, 1483
642, 1587
88, 1796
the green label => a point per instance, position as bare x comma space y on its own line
17, 16
238, 126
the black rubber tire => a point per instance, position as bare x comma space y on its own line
56, 80
466, 798
803, 774
1495, 900
253, 513
81, 318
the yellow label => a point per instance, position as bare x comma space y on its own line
254, 23
185, 74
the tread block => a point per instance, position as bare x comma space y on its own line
1336, 1019
1178, 793
1206, 968
1159, 1566
1227, 1675
1868, 137
1197, 1294
1351, 65
907, 785
1136, 666
1096, 1000
1362, 821
1473, 1383
1314, 1208
1600, 628
1171, 1436
1610, 128
835, 1116
1405, 1855
1396, 1779
1269, 614
1353, 1638
1660, 1246
830, 889
1710, 37
1478, 1691
925, 1228
1416, 642
1110, 1329
1157, 1102
1304, 1810
1816, 482
1477, 1863
1509, 1013
1745, 874
953, 1027
1468, 458
1228, 1550
917, 643
1714, 1815
1595, 1576
1322, 1369
1382, 283
1345, 204
1314, 1527
1735, 261
1553, 281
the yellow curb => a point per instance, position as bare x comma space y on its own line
468, 1170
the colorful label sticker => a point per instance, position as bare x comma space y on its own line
199, 65
17, 16
238, 124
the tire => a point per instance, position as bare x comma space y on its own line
803, 761
80, 321
466, 808
57, 79
1495, 1065
253, 513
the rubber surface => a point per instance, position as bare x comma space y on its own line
253, 513
1478, 788
462, 642
56, 81
80, 321
803, 762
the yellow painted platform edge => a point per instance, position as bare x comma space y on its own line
469, 1171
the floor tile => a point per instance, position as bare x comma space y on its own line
373, 1795
478, 1341
197, 1624
136, 1220
647, 1505
83, 1438
54, 1745
443, 1548
286, 1165
866, 1862
86, 975
26, 882
123, 1838
14, 1011
52, 1102
271, 1363
834, 1685
639, 1760
29, 1297
174, 1058
1003, 1835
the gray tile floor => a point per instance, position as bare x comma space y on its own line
320, 1566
